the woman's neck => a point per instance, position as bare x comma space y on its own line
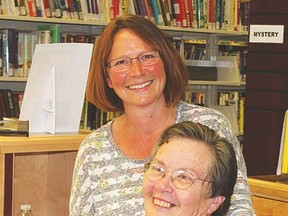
136, 132
149, 119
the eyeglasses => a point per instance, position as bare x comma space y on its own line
124, 63
180, 178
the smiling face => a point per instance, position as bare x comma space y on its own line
163, 198
140, 85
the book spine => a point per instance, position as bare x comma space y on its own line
166, 13
74, 9
149, 10
222, 13
194, 13
157, 12
58, 12
13, 52
52, 8
20, 54
106, 9
47, 11
1, 55
88, 12
26, 64
190, 11
39, 8
15, 104
16, 8
245, 11
218, 14
2, 104
232, 18
238, 15
102, 15
116, 6
9, 102
205, 13
211, 16
93, 9
23, 8
8, 7
32, 8
5, 53
20, 96
64, 9
125, 7
180, 13
160, 15
241, 115
134, 5
200, 17
143, 9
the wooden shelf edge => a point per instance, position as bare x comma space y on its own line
267, 189
42, 143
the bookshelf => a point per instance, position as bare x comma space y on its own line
42, 150
211, 39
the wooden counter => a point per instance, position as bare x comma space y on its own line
37, 170
269, 194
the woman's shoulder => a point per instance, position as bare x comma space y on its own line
186, 110
98, 137
204, 115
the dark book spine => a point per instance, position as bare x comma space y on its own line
2, 105
9, 102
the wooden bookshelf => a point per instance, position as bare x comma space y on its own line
37, 170
266, 98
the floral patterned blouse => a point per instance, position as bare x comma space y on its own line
105, 182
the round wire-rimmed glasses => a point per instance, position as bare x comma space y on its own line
124, 63
181, 179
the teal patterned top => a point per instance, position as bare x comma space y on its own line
105, 182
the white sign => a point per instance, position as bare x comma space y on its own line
55, 90
266, 34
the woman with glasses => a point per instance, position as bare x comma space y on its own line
192, 171
136, 70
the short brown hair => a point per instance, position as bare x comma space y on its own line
100, 94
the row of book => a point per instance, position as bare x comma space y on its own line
211, 14
10, 103
232, 15
17, 46
196, 50
197, 98
230, 103
93, 118
235, 100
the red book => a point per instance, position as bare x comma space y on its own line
211, 14
180, 13
149, 10
190, 9
32, 8
47, 12
116, 8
